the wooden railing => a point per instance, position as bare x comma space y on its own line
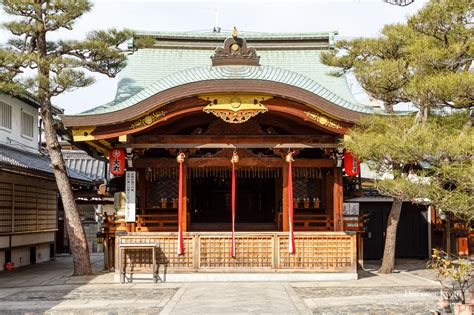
157, 222
210, 251
168, 222
313, 222
324, 222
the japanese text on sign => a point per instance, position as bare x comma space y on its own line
130, 183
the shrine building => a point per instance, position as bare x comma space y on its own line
229, 155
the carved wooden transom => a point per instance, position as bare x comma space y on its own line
235, 109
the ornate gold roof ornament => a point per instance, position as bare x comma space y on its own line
323, 120
235, 109
235, 52
147, 120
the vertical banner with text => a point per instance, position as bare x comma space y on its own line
130, 184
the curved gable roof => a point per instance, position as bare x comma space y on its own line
176, 54
207, 73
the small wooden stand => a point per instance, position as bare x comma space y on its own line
123, 260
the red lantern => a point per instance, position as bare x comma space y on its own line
351, 164
117, 161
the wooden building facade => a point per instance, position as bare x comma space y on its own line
28, 192
259, 101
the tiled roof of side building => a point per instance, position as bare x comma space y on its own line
21, 159
84, 164
162, 64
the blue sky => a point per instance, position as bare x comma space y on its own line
352, 18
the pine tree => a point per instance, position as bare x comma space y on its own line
33, 64
426, 61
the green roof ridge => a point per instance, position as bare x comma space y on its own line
245, 34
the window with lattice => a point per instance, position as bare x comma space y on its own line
5, 116
27, 208
27, 125
6, 207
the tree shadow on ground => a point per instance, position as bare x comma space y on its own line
371, 267
49, 288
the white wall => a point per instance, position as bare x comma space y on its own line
22, 243
15, 133
4, 241
21, 256
32, 238
42, 253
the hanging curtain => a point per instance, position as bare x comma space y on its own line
291, 238
180, 160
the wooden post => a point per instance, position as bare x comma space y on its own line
111, 253
196, 252
185, 197
360, 250
106, 252
354, 252
447, 231
276, 251
285, 201
328, 190
116, 254
142, 190
13, 215
338, 200
189, 193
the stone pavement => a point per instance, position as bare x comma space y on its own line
49, 288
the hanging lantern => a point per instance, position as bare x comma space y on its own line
235, 158
351, 164
180, 158
289, 157
117, 161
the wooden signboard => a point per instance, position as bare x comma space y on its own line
130, 186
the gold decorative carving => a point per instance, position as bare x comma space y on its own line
235, 52
83, 134
323, 120
235, 109
147, 120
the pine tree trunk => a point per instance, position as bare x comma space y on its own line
75, 229
388, 262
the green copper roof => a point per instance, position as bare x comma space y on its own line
152, 70
206, 35
266, 73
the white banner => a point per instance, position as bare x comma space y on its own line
130, 183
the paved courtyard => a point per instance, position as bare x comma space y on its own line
48, 288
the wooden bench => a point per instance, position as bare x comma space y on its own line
123, 258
